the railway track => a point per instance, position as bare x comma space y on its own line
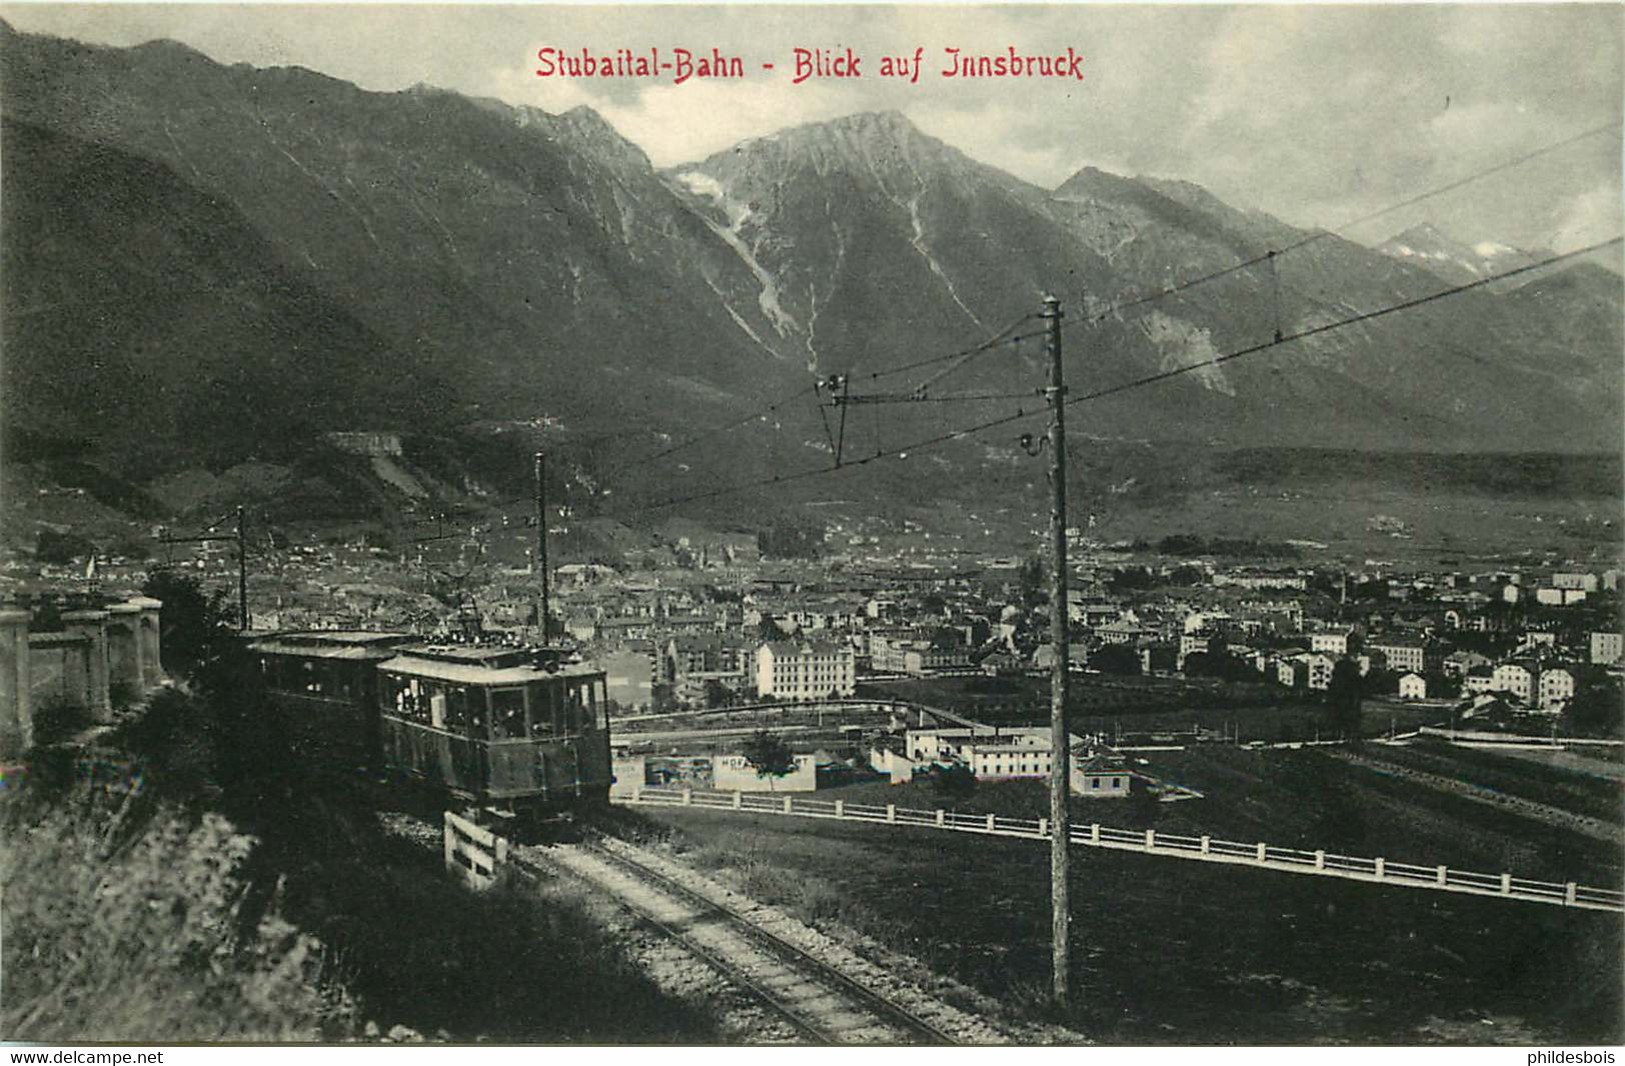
819, 1001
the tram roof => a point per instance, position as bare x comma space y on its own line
473, 673
331, 644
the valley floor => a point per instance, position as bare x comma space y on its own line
1183, 953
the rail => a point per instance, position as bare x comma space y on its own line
796, 956
1148, 841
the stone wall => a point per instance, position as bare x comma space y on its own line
96, 653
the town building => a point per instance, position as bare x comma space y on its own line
1458, 663
1260, 580
1403, 656
1021, 752
1556, 689
805, 670
1516, 679
1413, 687
1335, 642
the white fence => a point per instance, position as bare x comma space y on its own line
1510, 739
478, 854
1151, 842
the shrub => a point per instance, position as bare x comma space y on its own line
122, 695
58, 719
139, 934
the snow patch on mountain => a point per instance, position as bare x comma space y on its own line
738, 213
1180, 344
918, 240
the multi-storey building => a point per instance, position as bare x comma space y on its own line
1332, 641
805, 670
1404, 656
1514, 678
1018, 752
1556, 689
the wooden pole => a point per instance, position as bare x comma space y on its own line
242, 573
541, 540
1060, 761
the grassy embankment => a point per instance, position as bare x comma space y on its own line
238, 897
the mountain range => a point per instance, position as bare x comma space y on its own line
209, 265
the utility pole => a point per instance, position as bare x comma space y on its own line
1061, 760
242, 571
541, 537
241, 537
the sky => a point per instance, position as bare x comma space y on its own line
1317, 114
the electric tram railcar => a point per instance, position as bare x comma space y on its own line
324, 689
495, 728
512, 731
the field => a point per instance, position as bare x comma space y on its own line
1107, 705
1304, 798
1555, 784
1178, 952
1169, 952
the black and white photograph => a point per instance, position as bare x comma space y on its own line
882, 527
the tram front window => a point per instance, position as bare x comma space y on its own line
544, 711
508, 714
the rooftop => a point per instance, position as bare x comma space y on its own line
474, 673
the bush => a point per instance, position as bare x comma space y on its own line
146, 939
122, 695
58, 719
954, 781
197, 747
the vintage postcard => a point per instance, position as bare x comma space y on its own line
829, 524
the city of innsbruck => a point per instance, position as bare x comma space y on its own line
650, 530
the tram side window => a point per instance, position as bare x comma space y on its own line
590, 706
507, 714
392, 695
435, 695
310, 679
601, 691
339, 680
419, 701
404, 699
457, 716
